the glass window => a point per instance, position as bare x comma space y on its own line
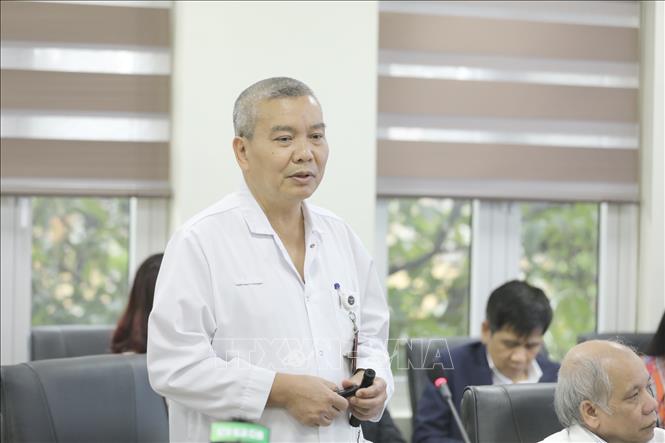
428, 275
560, 255
80, 250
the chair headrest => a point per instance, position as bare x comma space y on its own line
103, 398
521, 412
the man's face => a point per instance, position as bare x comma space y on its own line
632, 415
285, 159
512, 354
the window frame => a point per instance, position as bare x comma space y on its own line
495, 255
15, 295
148, 234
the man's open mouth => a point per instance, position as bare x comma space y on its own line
303, 174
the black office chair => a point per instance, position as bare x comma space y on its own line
518, 413
637, 340
420, 354
69, 341
101, 398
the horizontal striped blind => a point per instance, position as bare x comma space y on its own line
514, 100
85, 98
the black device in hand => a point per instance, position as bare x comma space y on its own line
349, 392
368, 379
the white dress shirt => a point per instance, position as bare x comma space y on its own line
534, 373
579, 434
231, 310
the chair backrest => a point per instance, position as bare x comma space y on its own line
101, 398
515, 413
69, 341
638, 340
420, 355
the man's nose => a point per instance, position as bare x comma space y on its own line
303, 152
650, 404
519, 354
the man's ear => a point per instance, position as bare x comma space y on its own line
485, 331
589, 414
240, 151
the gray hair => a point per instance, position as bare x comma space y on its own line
244, 110
584, 378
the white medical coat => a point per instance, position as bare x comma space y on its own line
231, 310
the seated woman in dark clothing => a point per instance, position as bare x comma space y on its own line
131, 333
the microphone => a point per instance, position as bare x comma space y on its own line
368, 379
441, 384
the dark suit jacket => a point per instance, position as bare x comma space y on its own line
434, 422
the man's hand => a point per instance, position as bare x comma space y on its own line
368, 402
311, 400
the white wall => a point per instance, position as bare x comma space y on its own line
220, 48
651, 274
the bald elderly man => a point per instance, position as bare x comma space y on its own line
603, 395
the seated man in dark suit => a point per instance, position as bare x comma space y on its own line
517, 316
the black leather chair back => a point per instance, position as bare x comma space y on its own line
101, 398
420, 354
638, 340
519, 413
69, 341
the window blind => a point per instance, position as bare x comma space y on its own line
509, 100
85, 98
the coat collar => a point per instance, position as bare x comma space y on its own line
257, 221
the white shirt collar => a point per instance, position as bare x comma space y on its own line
579, 429
534, 373
258, 223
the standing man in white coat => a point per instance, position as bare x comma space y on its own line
266, 305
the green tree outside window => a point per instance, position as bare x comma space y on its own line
560, 255
428, 279
428, 276
80, 251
